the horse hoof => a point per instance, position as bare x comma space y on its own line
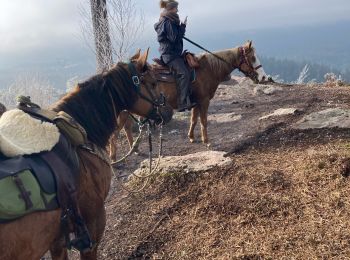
192, 140
208, 145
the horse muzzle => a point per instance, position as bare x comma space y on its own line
161, 114
165, 114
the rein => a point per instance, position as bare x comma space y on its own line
243, 56
151, 171
156, 103
204, 49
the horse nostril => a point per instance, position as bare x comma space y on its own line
263, 78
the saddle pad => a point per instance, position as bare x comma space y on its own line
12, 204
22, 134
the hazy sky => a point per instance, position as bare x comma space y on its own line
43, 26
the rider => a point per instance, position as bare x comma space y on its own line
170, 31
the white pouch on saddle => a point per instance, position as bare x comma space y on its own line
21, 134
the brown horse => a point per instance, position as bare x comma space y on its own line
94, 104
212, 70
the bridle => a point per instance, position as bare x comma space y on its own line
138, 78
244, 60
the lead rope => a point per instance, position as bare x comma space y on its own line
147, 177
160, 152
134, 146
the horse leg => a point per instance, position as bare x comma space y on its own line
128, 131
112, 146
96, 229
58, 250
203, 114
194, 120
121, 121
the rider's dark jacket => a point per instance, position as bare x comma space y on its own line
170, 34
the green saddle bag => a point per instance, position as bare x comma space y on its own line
70, 128
14, 188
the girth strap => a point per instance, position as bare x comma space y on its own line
64, 163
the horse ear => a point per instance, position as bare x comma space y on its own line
136, 55
250, 43
142, 60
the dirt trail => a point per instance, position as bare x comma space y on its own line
282, 197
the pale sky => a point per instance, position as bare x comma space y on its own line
47, 27
27, 25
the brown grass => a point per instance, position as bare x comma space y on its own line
277, 203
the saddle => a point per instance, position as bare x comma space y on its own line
163, 73
55, 171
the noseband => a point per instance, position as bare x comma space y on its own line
156, 103
244, 60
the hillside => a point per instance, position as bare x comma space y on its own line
283, 196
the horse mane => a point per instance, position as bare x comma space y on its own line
96, 102
215, 64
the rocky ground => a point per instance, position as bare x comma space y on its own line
274, 183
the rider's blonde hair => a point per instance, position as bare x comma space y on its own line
169, 4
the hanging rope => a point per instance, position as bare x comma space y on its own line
133, 148
152, 172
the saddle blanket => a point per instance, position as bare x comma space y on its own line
21, 134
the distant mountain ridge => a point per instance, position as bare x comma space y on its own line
326, 45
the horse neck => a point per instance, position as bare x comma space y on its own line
218, 67
92, 108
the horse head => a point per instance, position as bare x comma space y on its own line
151, 102
250, 65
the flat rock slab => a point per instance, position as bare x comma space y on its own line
225, 117
329, 118
196, 162
266, 89
281, 112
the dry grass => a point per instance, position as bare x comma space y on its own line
287, 203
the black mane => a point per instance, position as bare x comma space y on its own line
90, 103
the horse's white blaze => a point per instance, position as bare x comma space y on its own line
261, 73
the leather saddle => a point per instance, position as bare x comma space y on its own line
163, 73
57, 171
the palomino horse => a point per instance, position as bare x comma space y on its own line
94, 104
212, 70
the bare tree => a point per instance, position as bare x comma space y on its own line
101, 34
123, 23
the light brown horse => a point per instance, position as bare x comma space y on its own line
94, 104
211, 72
125, 122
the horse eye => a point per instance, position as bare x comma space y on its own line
253, 59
